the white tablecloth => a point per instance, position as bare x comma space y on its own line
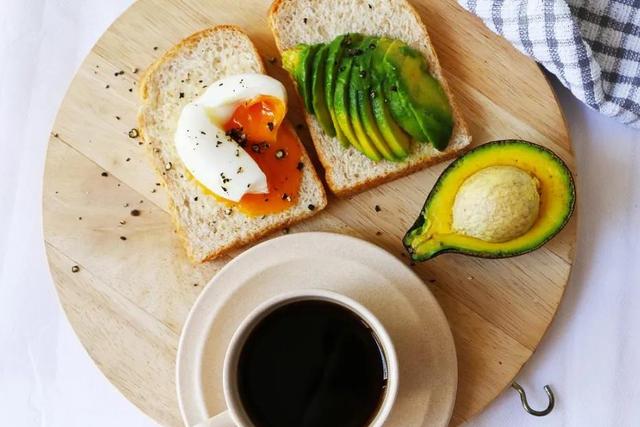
591, 355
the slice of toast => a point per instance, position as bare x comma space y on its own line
207, 226
347, 171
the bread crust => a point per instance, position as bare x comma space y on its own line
460, 127
253, 235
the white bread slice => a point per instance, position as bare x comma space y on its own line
208, 227
347, 171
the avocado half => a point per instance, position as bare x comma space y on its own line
432, 234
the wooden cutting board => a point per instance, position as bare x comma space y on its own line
130, 297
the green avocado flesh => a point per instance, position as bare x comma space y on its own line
435, 233
299, 62
335, 51
373, 93
318, 93
360, 109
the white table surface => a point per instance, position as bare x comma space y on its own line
591, 355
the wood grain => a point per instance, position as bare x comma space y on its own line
130, 297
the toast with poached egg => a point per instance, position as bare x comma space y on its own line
232, 165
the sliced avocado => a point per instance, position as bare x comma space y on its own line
398, 105
361, 113
299, 62
396, 139
335, 50
435, 232
318, 93
341, 99
361, 84
422, 91
393, 134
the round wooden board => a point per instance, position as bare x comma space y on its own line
130, 297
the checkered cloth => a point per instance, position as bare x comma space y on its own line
592, 46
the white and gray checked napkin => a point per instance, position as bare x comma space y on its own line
593, 47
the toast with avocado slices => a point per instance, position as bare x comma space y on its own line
377, 104
210, 225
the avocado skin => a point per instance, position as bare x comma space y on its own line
361, 113
335, 51
415, 229
421, 93
318, 92
299, 62
341, 98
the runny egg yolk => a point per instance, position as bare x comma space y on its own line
257, 125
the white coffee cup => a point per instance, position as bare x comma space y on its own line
235, 415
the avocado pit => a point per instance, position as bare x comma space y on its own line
496, 204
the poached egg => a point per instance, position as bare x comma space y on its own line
231, 141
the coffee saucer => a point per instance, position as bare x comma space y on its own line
344, 264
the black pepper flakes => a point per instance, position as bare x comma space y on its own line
135, 212
134, 133
378, 233
130, 89
377, 208
107, 87
270, 126
56, 135
168, 166
286, 197
123, 222
123, 238
195, 285
117, 117
304, 20
203, 132
370, 6
105, 174
155, 48
311, 207
195, 199
135, 70
128, 159
181, 95
300, 166
240, 170
118, 73
224, 189
75, 269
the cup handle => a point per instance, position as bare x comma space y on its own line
223, 419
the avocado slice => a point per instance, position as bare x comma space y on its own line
421, 91
399, 107
335, 51
318, 93
434, 232
361, 113
396, 138
341, 99
299, 62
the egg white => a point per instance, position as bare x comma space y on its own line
213, 158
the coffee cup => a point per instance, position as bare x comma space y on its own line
308, 357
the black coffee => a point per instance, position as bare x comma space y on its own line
311, 364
